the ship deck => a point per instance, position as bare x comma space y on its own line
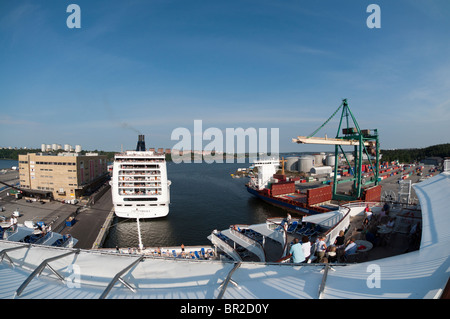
381, 241
300, 198
397, 241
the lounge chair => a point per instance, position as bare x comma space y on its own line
292, 227
310, 232
304, 229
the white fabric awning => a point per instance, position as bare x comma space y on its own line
326, 219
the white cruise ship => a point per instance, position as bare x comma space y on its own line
140, 188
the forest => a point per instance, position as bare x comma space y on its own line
416, 154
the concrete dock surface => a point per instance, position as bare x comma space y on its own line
88, 222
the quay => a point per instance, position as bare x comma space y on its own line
52, 213
89, 222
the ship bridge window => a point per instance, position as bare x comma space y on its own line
140, 199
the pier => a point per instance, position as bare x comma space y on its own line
92, 223
89, 223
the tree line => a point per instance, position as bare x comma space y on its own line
416, 154
402, 155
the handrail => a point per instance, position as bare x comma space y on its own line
4, 252
283, 258
227, 280
324, 279
117, 278
40, 268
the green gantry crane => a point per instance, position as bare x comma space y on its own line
365, 142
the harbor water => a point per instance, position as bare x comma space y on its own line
8, 164
204, 197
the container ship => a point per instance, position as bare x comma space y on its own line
140, 188
279, 190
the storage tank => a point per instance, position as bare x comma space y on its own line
78, 148
330, 160
43, 147
66, 147
318, 159
291, 163
305, 163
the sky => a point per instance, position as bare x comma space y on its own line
150, 67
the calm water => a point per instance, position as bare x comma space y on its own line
204, 197
8, 163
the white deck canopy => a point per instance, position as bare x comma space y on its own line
325, 219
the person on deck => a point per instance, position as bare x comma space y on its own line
321, 248
306, 246
296, 252
351, 247
340, 240
386, 209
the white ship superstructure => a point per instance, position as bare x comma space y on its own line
140, 188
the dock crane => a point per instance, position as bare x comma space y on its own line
364, 142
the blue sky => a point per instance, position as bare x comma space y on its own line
153, 66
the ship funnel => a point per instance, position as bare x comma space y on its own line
141, 143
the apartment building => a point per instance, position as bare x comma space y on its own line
63, 175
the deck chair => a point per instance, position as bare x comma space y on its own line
292, 227
281, 226
304, 229
174, 253
196, 255
202, 251
310, 232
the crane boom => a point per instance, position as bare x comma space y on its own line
326, 141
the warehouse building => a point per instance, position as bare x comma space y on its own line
62, 176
